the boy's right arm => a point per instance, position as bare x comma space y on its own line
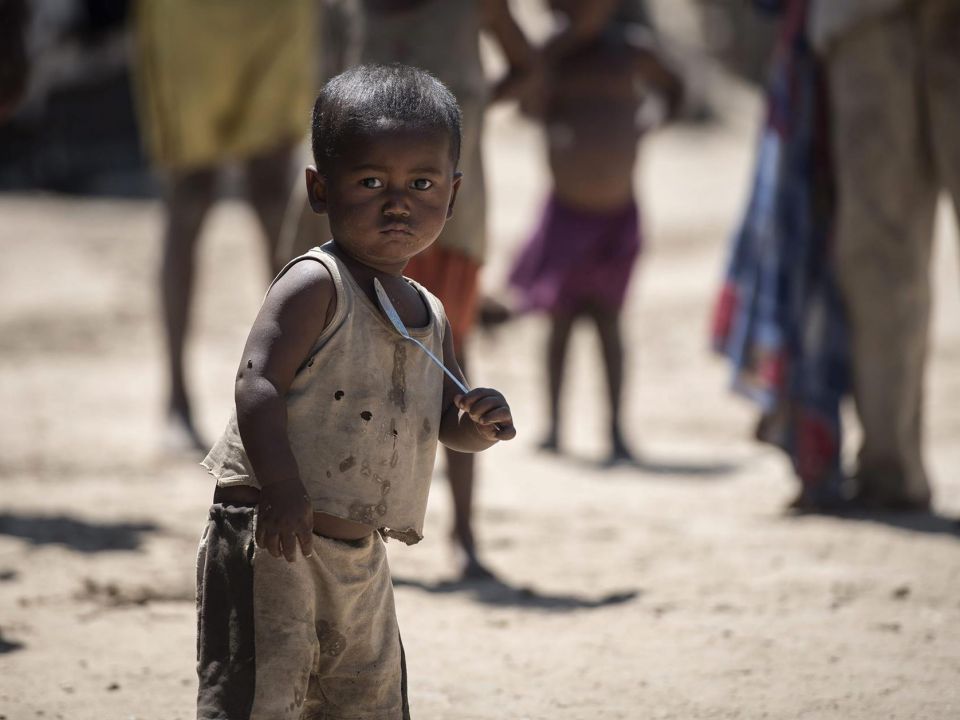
293, 315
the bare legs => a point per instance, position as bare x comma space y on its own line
460, 473
189, 197
607, 322
611, 345
560, 326
269, 180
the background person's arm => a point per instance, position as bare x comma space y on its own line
584, 22
519, 53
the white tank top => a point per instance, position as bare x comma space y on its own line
363, 414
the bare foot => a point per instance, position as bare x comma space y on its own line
620, 454
468, 563
491, 312
549, 444
473, 569
621, 460
806, 503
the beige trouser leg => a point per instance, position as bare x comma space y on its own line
887, 199
326, 640
941, 53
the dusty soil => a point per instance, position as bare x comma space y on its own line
677, 590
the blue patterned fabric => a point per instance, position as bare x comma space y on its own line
778, 318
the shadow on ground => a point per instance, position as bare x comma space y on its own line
8, 646
647, 465
78, 535
930, 523
498, 593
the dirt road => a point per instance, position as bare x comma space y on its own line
679, 590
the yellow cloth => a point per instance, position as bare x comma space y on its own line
222, 79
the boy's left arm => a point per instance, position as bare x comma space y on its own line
475, 421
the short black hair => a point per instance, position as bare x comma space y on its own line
362, 98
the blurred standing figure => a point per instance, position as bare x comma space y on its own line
600, 68
779, 318
442, 37
894, 75
218, 82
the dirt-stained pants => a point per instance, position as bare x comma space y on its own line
895, 99
315, 639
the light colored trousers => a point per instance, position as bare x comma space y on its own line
895, 103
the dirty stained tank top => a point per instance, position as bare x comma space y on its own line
363, 414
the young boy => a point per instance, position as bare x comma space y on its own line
337, 423
579, 261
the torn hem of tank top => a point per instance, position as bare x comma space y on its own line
408, 537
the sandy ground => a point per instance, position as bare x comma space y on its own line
679, 590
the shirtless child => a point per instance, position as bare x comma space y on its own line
579, 261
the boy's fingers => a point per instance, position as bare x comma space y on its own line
483, 404
470, 399
306, 542
498, 416
271, 542
288, 546
488, 408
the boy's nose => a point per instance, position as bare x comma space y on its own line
396, 206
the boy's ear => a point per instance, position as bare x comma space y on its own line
316, 190
457, 178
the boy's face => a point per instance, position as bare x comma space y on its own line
388, 194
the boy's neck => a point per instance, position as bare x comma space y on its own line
361, 272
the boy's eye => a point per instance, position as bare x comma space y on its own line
421, 184
372, 183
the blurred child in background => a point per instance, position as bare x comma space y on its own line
600, 71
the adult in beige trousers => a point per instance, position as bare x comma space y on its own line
894, 74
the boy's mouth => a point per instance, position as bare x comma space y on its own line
396, 228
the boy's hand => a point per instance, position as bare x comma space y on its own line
490, 413
285, 519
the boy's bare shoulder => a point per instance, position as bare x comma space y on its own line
305, 275
306, 286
